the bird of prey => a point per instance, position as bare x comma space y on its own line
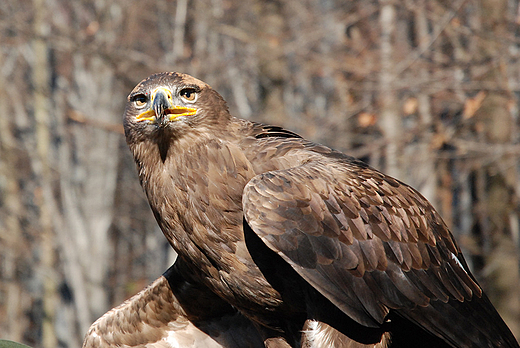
313, 247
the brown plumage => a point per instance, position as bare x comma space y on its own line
172, 312
297, 236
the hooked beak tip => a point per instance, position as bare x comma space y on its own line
160, 104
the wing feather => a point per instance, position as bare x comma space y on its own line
367, 242
172, 312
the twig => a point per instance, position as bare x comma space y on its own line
81, 118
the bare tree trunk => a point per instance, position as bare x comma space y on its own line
94, 193
239, 92
40, 78
69, 228
179, 28
427, 177
11, 238
390, 120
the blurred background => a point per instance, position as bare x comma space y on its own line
425, 90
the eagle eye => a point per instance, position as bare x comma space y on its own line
189, 94
140, 100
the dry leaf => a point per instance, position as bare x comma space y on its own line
410, 106
473, 104
366, 119
455, 22
92, 28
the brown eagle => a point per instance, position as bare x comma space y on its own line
313, 247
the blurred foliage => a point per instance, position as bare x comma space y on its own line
11, 344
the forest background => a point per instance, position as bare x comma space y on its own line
425, 90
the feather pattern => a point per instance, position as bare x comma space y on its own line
168, 314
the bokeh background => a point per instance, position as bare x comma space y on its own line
425, 90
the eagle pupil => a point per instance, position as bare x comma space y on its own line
140, 100
188, 93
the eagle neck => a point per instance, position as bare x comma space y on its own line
195, 192
196, 197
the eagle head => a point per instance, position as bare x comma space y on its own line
169, 105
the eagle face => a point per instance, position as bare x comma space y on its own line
172, 104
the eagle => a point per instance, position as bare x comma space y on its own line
301, 244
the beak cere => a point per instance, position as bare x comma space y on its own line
160, 105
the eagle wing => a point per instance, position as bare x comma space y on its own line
172, 312
371, 245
